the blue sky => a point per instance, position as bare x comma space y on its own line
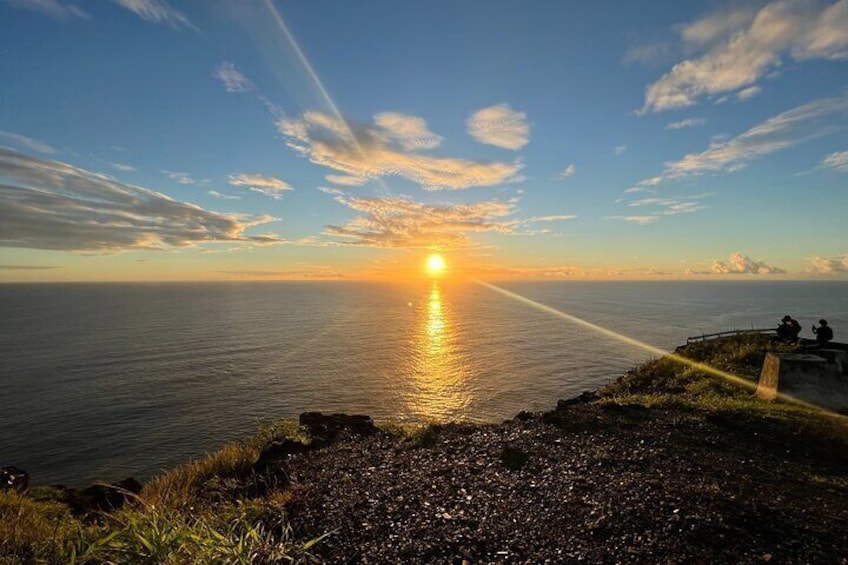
258, 139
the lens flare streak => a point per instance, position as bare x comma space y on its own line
650, 348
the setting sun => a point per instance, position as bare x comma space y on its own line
436, 265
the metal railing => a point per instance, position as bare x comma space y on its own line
707, 337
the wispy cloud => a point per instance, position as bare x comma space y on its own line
568, 172
53, 205
55, 9
223, 196
232, 78
409, 131
739, 264
619, 150
183, 178
500, 126
687, 123
363, 153
400, 222
636, 219
123, 167
28, 267
837, 161
27, 142
779, 132
265, 184
829, 265
157, 11
739, 47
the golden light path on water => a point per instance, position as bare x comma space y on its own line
650, 348
438, 376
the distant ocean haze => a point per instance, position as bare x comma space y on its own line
104, 381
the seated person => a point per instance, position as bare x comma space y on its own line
823, 333
786, 330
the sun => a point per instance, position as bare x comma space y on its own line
436, 265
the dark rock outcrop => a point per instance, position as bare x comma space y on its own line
326, 427
12, 478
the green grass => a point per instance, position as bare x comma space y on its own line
205, 511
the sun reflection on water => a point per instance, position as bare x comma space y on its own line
438, 388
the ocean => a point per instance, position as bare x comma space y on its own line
104, 381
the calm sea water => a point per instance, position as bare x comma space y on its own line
103, 381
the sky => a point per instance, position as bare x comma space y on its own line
328, 139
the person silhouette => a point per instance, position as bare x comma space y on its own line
824, 333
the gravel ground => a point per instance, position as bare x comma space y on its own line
584, 483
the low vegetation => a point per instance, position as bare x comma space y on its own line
226, 508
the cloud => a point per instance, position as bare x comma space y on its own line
157, 11
551, 218
619, 150
232, 78
28, 267
666, 207
409, 131
61, 11
829, 265
28, 142
687, 123
52, 205
748, 93
739, 264
183, 178
500, 126
267, 185
569, 171
779, 132
217, 194
837, 161
123, 167
641, 220
738, 50
649, 53
345, 180
400, 222
364, 153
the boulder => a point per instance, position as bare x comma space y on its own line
329, 426
12, 478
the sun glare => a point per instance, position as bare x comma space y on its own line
436, 265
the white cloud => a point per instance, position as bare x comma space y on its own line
569, 171
409, 131
123, 167
500, 126
183, 178
27, 142
53, 205
739, 264
641, 220
346, 180
268, 185
399, 222
748, 93
687, 123
157, 11
619, 150
779, 132
551, 218
837, 161
829, 265
364, 153
232, 78
52, 8
738, 50
223, 196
